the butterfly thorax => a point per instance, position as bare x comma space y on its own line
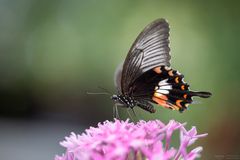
124, 100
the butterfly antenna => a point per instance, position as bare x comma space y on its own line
99, 93
104, 89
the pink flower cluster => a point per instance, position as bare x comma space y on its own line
124, 140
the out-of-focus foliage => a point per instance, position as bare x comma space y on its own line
52, 52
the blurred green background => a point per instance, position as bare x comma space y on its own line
52, 52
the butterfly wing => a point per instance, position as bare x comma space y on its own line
117, 78
166, 87
150, 49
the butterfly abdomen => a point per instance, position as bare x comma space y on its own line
172, 92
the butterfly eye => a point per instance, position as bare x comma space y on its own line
114, 97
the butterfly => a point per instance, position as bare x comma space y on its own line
146, 78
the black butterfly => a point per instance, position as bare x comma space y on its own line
146, 76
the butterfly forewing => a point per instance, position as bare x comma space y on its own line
150, 49
118, 77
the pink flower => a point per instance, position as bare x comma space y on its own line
124, 140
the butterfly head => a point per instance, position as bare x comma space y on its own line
115, 97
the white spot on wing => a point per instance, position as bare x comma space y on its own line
163, 82
167, 68
165, 87
162, 91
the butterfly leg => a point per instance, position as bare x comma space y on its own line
129, 114
134, 113
115, 112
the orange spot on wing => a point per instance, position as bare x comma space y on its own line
175, 107
170, 73
178, 103
177, 79
182, 87
157, 70
161, 96
185, 96
159, 101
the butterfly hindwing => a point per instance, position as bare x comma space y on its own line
165, 87
172, 92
